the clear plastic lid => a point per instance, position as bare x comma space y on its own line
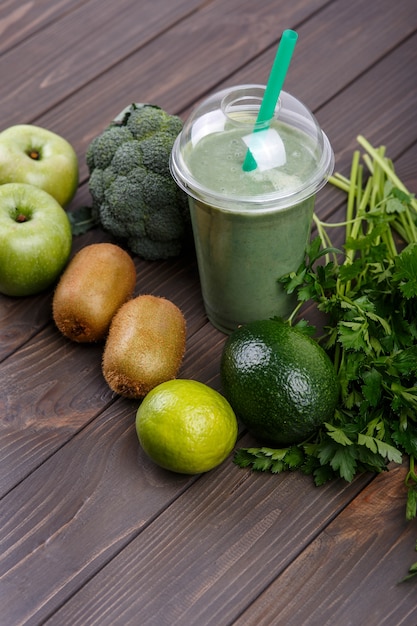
292, 157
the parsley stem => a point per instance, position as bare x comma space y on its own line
325, 225
321, 229
352, 191
337, 180
365, 198
386, 166
411, 476
294, 313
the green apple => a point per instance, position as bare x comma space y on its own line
36, 156
35, 239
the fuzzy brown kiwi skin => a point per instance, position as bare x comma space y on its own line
145, 346
97, 281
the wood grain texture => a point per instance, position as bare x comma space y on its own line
91, 531
75, 512
175, 69
211, 553
81, 49
55, 387
335, 47
22, 20
365, 547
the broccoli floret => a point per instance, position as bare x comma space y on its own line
156, 152
151, 185
165, 225
101, 150
173, 125
134, 196
145, 121
97, 186
126, 158
123, 212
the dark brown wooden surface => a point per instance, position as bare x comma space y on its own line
91, 531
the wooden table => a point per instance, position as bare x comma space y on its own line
91, 531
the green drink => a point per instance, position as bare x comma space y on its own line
249, 228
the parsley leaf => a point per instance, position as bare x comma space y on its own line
406, 271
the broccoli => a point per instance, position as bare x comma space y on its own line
134, 196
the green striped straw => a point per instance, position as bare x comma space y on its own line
273, 89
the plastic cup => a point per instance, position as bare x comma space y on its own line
250, 228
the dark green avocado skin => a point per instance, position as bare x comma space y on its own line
280, 382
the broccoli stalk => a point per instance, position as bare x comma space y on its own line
134, 196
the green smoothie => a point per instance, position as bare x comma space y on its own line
242, 252
250, 227
216, 162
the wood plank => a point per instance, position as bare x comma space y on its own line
206, 558
46, 539
381, 107
175, 69
17, 23
75, 512
83, 43
325, 584
407, 115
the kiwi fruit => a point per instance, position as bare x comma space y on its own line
145, 345
97, 281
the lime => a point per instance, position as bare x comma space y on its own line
186, 426
280, 382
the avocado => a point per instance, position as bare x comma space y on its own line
280, 382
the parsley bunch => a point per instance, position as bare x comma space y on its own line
368, 293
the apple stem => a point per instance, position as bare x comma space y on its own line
21, 218
34, 154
